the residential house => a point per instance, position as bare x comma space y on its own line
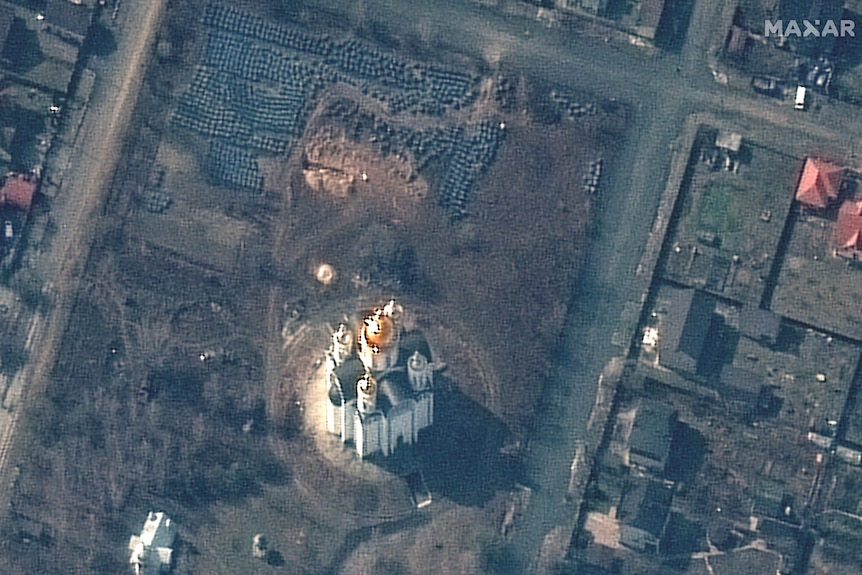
683, 330
819, 184
651, 436
643, 514
152, 550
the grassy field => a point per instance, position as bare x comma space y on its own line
723, 212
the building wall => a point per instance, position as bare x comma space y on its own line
333, 418
646, 462
378, 432
370, 434
423, 413
381, 433
348, 421
401, 425
637, 539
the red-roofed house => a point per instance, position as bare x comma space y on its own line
847, 237
17, 191
820, 183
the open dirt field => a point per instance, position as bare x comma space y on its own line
501, 278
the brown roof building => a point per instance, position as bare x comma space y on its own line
847, 235
17, 190
819, 184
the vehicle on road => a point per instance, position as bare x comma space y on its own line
768, 86
801, 92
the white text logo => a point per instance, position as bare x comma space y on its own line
810, 28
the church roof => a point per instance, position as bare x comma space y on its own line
350, 370
378, 330
393, 388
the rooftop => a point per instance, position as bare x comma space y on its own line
727, 140
151, 551
684, 329
71, 17
652, 431
759, 324
17, 190
847, 234
646, 505
819, 184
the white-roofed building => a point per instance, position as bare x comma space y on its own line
380, 391
151, 551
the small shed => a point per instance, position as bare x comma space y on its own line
652, 434
759, 325
152, 550
728, 141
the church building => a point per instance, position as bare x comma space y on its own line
380, 383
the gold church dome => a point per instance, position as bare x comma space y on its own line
378, 331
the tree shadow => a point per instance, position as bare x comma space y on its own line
274, 558
100, 41
29, 126
359, 536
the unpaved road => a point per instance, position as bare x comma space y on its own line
77, 207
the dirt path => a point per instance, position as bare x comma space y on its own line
77, 208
